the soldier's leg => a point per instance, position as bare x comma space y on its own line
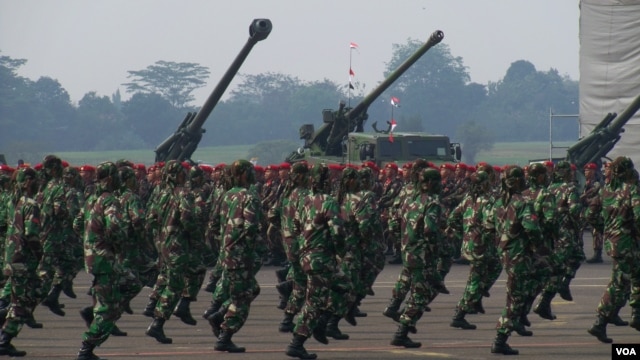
398, 294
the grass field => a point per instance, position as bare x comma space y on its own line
502, 153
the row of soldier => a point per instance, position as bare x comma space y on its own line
360, 199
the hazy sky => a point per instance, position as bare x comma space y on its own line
90, 45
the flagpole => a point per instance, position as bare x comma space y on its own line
350, 77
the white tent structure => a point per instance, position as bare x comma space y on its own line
610, 68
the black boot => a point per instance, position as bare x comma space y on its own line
6, 348
500, 346
356, 311
213, 308
184, 313
460, 322
397, 259
286, 325
285, 289
391, 311
224, 343
117, 332
401, 339
4, 303
51, 301
524, 320
320, 331
543, 308
615, 318
86, 352
155, 331
126, 307
478, 306
67, 289
3, 316
635, 318
281, 274
211, 285
350, 317
31, 322
599, 330
215, 320
563, 289
521, 330
596, 258
438, 284
296, 348
86, 313
333, 330
149, 310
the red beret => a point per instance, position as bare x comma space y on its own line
574, 167
220, 166
371, 165
471, 168
272, 167
140, 167
87, 167
548, 164
407, 165
160, 164
6, 168
497, 168
206, 168
461, 166
591, 166
38, 166
391, 166
284, 166
258, 168
65, 164
186, 165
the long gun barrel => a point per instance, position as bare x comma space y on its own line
602, 138
435, 38
337, 124
183, 143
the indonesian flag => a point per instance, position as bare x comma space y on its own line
351, 73
353, 45
393, 126
395, 101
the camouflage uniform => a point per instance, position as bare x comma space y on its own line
617, 214
568, 248
470, 219
517, 228
23, 253
55, 219
104, 234
322, 239
240, 216
421, 228
179, 227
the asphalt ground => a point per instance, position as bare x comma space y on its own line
564, 338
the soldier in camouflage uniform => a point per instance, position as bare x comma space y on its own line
592, 186
179, 227
239, 218
5, 197
55, 218
72, 260
291, 204
390, 190
321, 241
470, 219
617, 214
421, 237
23, 254
568, 247
104, 234
544, 259
517, 228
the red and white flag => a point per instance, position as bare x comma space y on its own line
393, 126
395, 101
351, 73
353, 45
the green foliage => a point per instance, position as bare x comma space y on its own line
474, 138
272, 152
174, 81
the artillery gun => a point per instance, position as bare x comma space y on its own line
596, 145
183, 142
345, 126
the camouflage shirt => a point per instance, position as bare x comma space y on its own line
240, 215
104, 233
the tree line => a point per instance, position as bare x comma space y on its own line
267, 109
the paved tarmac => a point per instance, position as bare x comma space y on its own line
564, 338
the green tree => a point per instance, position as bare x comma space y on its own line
474, 138
173, 81
151, 117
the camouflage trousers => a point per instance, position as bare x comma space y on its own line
624, 285
422, 293
24, 284
373, 261
129, 285
518, 288
315, 303
170, 293
483, 273
222, 295
243, 289
598, 239
106, 308
299, 278
567, 259
194, 277
405, 280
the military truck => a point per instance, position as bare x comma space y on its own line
341, 137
